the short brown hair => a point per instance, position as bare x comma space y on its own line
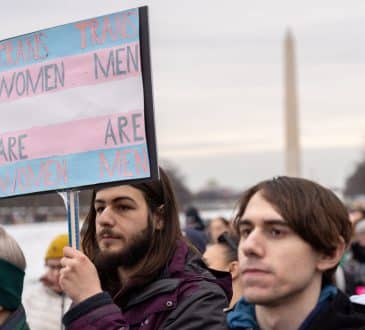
313, 212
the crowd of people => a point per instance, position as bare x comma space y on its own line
293, 257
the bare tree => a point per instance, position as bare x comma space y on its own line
355, 183
183, 193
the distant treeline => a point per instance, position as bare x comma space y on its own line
47, 199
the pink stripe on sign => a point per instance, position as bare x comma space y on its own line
96, 67
123, 129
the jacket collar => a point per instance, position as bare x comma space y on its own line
243, 315
184, 266
327, 293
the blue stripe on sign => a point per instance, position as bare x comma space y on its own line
70, 39
75, 170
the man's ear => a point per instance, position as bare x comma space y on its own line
158, 217
326, 262
234, 269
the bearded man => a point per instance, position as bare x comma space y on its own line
137, 271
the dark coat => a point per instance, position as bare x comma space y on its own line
16, 321
185, 296
354, 267
339, 314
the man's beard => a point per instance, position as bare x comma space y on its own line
128, 256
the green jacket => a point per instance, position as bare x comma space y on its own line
16, 321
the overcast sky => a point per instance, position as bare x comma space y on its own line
218, 81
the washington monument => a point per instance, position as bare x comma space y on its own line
291, 110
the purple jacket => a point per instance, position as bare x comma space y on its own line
186, 296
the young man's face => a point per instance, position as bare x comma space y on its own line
121, 223
276, 264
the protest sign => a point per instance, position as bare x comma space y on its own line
76, 105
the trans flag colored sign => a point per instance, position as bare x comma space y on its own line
76, 105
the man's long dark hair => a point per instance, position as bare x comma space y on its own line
160, 199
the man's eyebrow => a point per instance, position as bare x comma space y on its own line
115, 200
279, 222
242, 222
269, 222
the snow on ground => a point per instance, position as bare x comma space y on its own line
34, 238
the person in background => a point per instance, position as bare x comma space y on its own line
45, 302
12, 267
193, 219
354, 263
356, 214
195, 229
352, 260
216, 227
136, 270
293, 233
223, 256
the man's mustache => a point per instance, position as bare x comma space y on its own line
108, 232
